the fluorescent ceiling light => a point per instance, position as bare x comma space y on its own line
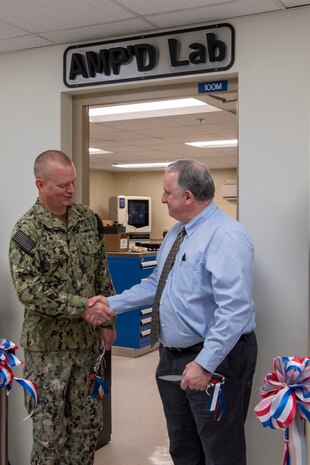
94, 151
149, 109
147, 106
141, 165
214, 143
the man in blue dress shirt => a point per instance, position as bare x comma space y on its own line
207, 318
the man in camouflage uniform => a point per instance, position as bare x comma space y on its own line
57, 263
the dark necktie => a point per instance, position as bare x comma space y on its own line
162, 282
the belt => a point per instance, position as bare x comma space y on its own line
199, 346
182, 350
246, 336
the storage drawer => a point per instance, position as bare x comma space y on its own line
146, 321
145, 337
146, 311
145, 332
147, 267
148, 264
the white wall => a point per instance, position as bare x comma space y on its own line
30, 123
272, 61
274, 190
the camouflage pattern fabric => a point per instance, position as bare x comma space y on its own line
55, 269
56, 277
66, 421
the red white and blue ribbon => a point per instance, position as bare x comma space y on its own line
285, 404
100, 388
8, 361
217, 402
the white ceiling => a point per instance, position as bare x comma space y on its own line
28, 24
38, 23
162, 139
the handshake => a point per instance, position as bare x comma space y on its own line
98, 310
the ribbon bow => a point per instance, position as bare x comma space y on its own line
8, 361
285, 404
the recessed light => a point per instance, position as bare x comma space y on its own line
94, 151
214, 143
146, 106
153, 109
141, 165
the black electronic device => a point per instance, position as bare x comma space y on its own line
149, 245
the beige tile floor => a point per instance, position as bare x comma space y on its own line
139, 435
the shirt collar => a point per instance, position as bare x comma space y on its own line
51, 221
195, 222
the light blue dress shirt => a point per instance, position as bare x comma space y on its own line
207, 296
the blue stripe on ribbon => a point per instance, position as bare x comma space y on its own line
282, 404
304, 410
4, 379
97, 384
28, 386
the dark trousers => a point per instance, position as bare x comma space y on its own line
196, 436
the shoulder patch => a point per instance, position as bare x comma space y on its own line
23, 241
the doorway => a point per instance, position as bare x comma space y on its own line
156, 138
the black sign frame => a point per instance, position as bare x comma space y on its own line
217, 68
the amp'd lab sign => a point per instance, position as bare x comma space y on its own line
215, 86
203, 49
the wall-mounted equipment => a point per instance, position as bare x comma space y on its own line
229, 189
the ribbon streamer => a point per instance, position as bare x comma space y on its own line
285, 404
100, 388
217, 401
8, 361
96, 384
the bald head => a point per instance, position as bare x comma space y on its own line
55, 180
44, 161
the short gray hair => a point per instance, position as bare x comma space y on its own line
42, 161
195, 177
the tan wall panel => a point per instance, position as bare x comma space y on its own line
104, 184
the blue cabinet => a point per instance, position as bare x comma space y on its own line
133, 327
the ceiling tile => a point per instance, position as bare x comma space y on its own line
214, 13
293, 3
47, 15
22, 42
161, 6
97, 32
7, 31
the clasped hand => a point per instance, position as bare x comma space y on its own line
98, 310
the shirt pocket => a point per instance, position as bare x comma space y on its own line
188, 277
87, 243
87, 251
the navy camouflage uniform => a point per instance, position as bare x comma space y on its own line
55, 269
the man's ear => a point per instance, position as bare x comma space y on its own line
39, 184
189, 198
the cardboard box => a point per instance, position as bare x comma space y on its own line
116, 242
